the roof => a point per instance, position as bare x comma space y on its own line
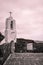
21, 40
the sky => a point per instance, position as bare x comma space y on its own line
28, 15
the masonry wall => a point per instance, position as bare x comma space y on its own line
5, 50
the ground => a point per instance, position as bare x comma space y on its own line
25, 59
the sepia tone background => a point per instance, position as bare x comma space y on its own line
28, 15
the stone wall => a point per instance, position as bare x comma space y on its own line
5, 50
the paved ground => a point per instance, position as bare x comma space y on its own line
25, 59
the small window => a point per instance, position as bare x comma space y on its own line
11, 24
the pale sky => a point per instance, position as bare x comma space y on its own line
28, 15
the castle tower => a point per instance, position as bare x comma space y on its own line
10, 30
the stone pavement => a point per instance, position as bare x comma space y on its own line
25, 59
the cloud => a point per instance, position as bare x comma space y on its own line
28, 15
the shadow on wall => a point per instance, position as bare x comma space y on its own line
5, 50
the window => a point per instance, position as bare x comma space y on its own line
11, 24
30, 46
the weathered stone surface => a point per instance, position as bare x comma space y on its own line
5, 50
32, 59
